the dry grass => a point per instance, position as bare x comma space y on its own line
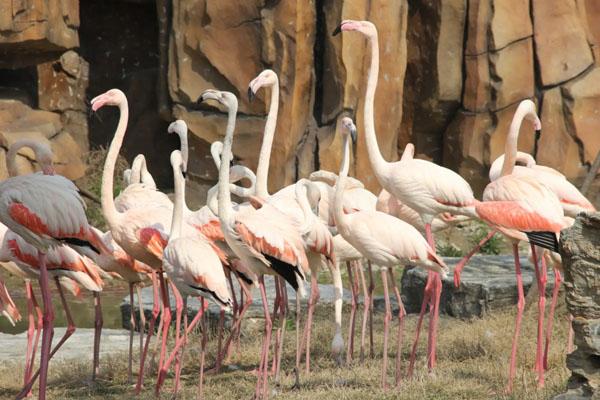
473, 363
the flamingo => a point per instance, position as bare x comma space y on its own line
138, 173
516, 203
267, 244
27, 207
182, 256
317, 239
383, 239
140, 231
427, 188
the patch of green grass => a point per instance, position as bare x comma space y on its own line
494, 246
446, 249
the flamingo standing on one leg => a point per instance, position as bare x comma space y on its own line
267, 244
385, 240
521, 203
422, 185
190, 261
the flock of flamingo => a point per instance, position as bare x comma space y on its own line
315, 223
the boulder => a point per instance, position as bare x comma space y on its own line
562, 48
580, 251
488, 283
62, 84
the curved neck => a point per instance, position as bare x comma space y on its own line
301, 190
136, 168
340, 217
179, 203
224, 195
184, 147
378, 163
108, 203
262, 171
11, 155
510, 148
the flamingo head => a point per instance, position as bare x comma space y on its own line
177, 161
44, 158
267, 77
348, 128
365, 27
178, 127
113, 97
227, 99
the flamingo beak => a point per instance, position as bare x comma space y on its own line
251, 94
538, 133
98, 103
353, 134
171, 127
337, 30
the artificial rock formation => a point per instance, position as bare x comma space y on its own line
580, 250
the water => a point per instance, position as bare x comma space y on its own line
82, 308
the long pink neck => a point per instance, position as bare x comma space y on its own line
378, 163
108, 203
340, 217
510, 148
262, 171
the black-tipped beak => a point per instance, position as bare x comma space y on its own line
184, 173
353, 134
251, 95
200, 99
337, 30
538, 133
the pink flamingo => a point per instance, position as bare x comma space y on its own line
138, 173
425, 187
26, 210
182, 264
265, 243
383, 239
514, 204
140, 231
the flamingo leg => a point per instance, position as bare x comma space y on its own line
351, 324
178, 346
386, 327
98, 323
263, 368
283, 320
220, 326
131, 331
30, 331
520, 308
236, 328
434, 312
178, 317
142, 324
371, 307
542, 278
463, 261
276, 312
155, 311
47, 332
366, 309
401, 315
166, 318
550, 323
426, 299
314, 298
298, 344
202, 352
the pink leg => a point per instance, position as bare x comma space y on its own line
131, 331
178, 338
47, 333
178, 346
429, 286
314, 298
30, 331
98, 323
283, 319
202, 352
142, 324
434, 314
236, 328
262, 384
276, 312
38, 331
555, 289
166, 318
366, 309
520, 308
401, 315
386, 327
155, 311
461, 264
371, 306
352, 321
542, 278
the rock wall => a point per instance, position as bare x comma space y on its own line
580, 250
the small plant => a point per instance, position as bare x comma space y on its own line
445, 249
492, 246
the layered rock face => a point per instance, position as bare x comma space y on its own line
43, 83
580, 251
